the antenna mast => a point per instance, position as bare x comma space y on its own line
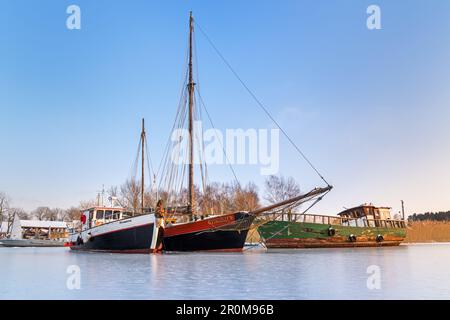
403, 210
191, 85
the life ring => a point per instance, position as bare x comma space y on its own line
352, 238
380, 238
331, 231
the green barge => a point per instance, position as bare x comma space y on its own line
362, 226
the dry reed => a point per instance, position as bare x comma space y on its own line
428, 231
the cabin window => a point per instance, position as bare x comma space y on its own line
116, 215
99, 215
385, 214
91, 217
108, 214
126, 215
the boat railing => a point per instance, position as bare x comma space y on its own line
343, 221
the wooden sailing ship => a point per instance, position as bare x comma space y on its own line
361, 226
202, 232
192, 230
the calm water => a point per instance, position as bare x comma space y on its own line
407, 272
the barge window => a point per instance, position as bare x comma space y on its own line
99, 215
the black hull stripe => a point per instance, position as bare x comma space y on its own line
136, 238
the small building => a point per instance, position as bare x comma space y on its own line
35, 229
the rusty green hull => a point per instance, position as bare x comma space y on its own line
284, 234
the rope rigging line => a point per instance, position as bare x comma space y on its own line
167, 168
151, 172
172, 173
314, 203
259, 102
281, 212
199, 112
134, 165
221, 144
180, 101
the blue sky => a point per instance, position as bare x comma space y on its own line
369, 108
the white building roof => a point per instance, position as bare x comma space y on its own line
35, 224
42, 224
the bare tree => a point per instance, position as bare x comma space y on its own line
280, 189
213, 198
114, 196
130, 193
87, 204
113, 191
245, 198
55, 214
72, 214
149, 200
4, 205
41, 213
23, 215
129, 196
224, 198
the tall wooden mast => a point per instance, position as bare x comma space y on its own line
143, 164
191, 122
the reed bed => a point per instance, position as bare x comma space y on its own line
428, 231
253, 236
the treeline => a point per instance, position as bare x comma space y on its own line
431, 216
217, 198
40, 213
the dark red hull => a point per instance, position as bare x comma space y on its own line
225, 233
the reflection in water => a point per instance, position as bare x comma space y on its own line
407, 272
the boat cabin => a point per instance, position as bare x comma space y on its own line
368, 215
97, 216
